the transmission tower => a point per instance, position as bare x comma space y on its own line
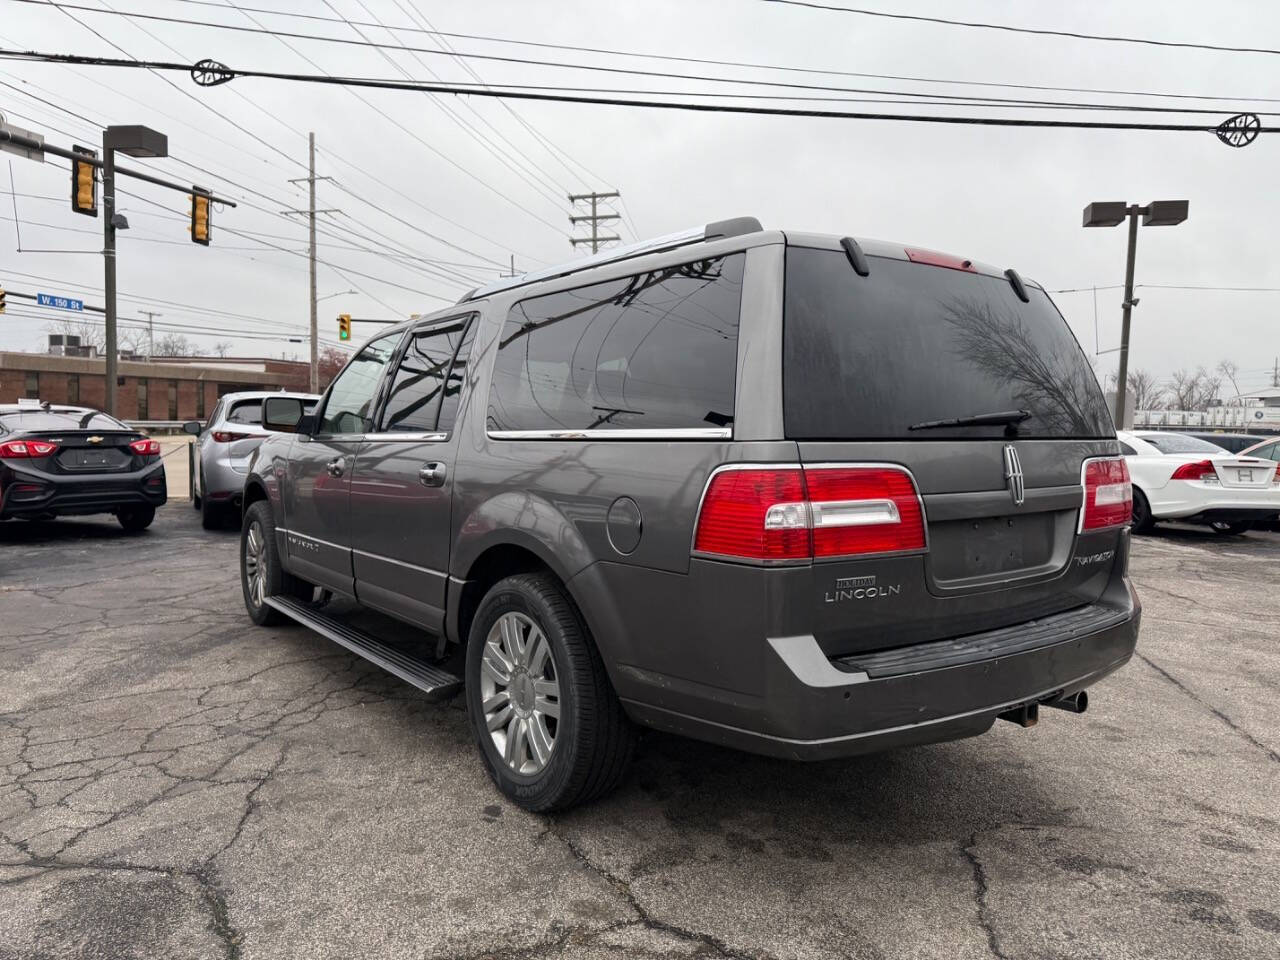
595, 218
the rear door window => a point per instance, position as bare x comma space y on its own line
871, 357
414, 403
656, 351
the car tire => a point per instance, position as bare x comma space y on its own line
1143, 521
1230, 528
191, 476
212, 515
259, 530
135, 519
559, 734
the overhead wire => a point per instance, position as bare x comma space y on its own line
1009, 28
378, 83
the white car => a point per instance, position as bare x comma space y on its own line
1177, 477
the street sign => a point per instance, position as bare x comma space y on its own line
8, 146
61, 303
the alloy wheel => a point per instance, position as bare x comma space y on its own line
255, 569
520, 693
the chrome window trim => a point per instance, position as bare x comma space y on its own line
405, 437
674, 433
399, 563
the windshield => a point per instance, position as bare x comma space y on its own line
1180, 443
911, 344
59, 420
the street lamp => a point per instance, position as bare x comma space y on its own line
134, 141
1158, 213
340, 293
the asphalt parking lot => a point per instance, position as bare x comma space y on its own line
177, 783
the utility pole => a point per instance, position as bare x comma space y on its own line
311, 212
1275, 373
594, 218
151, 331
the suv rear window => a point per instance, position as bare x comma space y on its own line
868, 357
654, 351
246, 411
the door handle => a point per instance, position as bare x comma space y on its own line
334, 467
432, 475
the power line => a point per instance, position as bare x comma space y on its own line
515, 60
374, 83
610, 51
1012, 29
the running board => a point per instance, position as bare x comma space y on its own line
440, 684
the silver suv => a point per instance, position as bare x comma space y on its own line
803, 495
219, 457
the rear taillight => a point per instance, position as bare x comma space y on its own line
27, 449
1200, 470
225, 436
1108, 495
145, 448
794, 513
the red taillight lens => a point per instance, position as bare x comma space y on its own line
863, 510
791, 513
755, 514
1195, 471
145, 448
27, 449
225, 436
1108, 495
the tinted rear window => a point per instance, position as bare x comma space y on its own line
868, 357
654, 351
1180, 443
55, 420
245, 411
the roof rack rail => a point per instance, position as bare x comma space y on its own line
718, 230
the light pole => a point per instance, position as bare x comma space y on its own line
340, 293
1158, 213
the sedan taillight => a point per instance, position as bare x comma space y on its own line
145, 447
797, 513
27, 449
1200, 470
226, 436
1108, 494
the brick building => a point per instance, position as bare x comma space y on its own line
167, 388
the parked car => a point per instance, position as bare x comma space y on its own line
60, 461
1266, 449
219, 457
1230, 442
1180, 477
796, 494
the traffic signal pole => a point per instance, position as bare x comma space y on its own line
109, 266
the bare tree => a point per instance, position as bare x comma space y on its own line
1145, 389
1229, 369
330, 361
176, 345
1193, 391
222, 348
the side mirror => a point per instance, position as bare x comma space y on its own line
193, 427
282, 414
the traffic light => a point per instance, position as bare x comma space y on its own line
344, 326
84, 183
1, 299
201, 212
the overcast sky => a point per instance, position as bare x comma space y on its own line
1006, 196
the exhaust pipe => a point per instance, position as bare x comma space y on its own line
1075, 703
1027, 715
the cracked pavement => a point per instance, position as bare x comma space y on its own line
177, 783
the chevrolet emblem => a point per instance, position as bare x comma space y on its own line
93, 439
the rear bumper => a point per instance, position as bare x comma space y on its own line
71, 495
812, 709
1166, 505
224, 478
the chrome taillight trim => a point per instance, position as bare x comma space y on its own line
1084, 494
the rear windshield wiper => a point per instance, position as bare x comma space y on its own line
997, 419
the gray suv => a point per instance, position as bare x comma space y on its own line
801, 495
